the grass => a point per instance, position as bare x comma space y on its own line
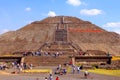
115, 58
38, 71
106, 72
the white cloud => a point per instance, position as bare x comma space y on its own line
90, 12
28, 9
112, 24
4, 31
51, 14
74, 2
117, 31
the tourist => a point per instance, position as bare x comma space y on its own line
78, 69
70, 62
46, 78
31, 66
64, 71
86, 74
57, 71
57, 54
24, 66
81, 67
46, 53
50, 77
57, 78
59, 66
73, 69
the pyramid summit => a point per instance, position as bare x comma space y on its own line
60, 29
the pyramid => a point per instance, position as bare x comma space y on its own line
84, 34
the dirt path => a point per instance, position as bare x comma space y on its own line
41, 76
4, 73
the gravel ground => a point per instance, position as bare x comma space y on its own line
41, 76
6, 75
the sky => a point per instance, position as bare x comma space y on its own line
14, 14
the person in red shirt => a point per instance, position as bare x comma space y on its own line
57, 78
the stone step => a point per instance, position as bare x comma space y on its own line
63, 50
45, 61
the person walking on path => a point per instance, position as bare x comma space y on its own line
50, 77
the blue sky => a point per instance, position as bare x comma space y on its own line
14, 14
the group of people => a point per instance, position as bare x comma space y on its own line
39, 53
76, 68
51, 77
18, 67
54, 54
3, 66
60, 70
36, 53
79, 68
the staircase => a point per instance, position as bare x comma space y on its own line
60, 44
61, 35
46, 61
58, 47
